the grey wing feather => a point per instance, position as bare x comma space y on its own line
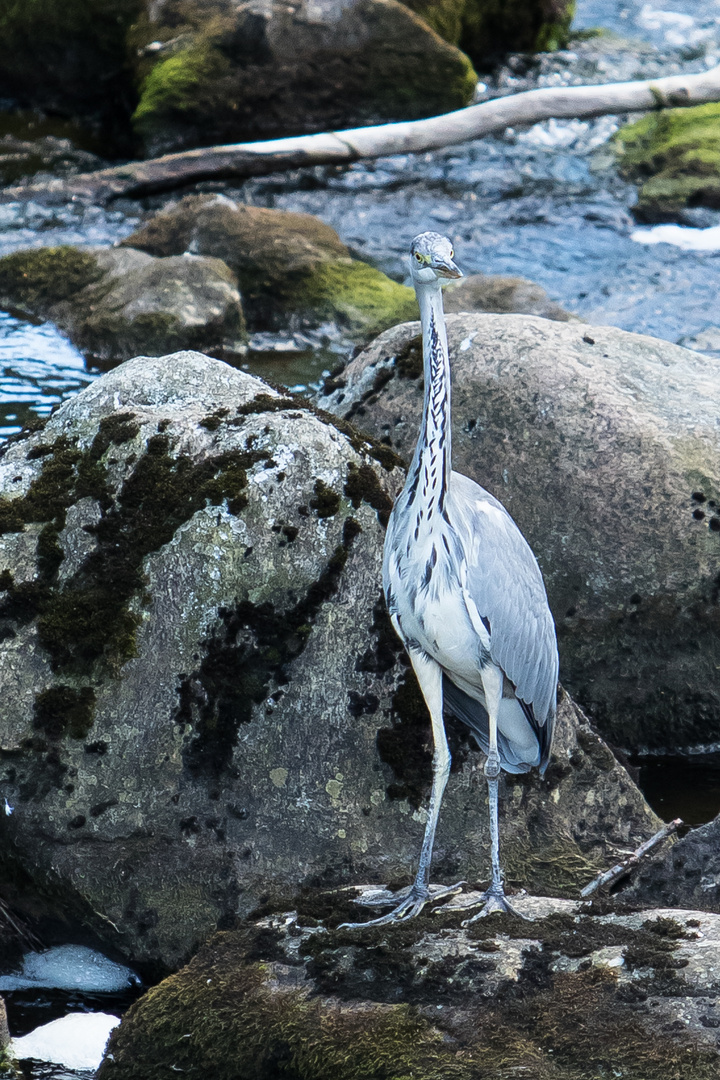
504, 581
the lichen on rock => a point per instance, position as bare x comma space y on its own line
674, 154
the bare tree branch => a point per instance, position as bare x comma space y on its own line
609, 877
243, 160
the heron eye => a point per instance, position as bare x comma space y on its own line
452, 253
418, 256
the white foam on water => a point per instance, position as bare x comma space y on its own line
76, 1041
70, 967
682, 236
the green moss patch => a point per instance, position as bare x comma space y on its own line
362, 485
36, 279
181, 88
352, 293
675, 155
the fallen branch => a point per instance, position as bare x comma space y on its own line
609, 877
244, 160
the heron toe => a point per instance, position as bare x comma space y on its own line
410, 906
496, 900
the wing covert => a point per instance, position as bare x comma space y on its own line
503, 580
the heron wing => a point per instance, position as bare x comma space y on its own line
502, 579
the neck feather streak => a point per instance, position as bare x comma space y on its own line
429, 473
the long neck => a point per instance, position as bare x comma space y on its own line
429, 473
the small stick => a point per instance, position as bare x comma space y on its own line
621, 868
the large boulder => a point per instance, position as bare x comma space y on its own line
204, 704
234, 72
571, 994
605, 448
116, 303
293, 269
674, 155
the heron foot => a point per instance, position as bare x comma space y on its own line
410, 906
496, 900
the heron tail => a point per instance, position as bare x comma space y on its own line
517, 755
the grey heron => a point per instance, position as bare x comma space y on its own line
466, 596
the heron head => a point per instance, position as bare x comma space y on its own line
431, 257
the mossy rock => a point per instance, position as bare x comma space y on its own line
35, 280
293, 270
604, 447
675, 156
444, 16
247, 76
570, 995
492, 28
489, 29
496, 293
115, 304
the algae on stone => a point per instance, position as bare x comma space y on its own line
675, 155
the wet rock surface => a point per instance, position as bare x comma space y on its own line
116, 303
293, 270
21, 158
203, 701
577, 992
688, 876
604, 447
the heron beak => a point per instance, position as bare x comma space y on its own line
448, 269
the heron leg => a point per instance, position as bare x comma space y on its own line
429, 676
495, 899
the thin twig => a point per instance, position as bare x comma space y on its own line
620, 869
